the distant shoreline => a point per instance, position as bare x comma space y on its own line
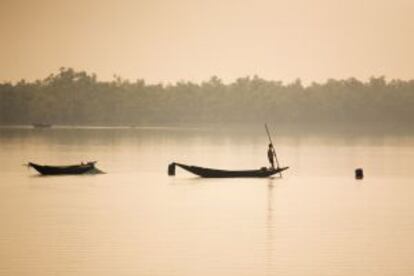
363, 129
72, 98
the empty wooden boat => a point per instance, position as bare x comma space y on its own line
58, 170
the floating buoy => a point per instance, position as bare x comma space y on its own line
171, 169
359, 173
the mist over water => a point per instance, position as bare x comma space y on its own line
136, 220
137, 85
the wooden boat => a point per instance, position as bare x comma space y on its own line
42, 125
216, 173
57, 170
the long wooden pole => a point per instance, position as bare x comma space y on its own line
273, 148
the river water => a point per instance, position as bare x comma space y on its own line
136, 220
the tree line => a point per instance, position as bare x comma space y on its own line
78, 98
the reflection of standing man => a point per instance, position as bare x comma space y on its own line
270, 156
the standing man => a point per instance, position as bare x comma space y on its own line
270, 156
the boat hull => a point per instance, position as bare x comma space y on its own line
61, 170
215, 173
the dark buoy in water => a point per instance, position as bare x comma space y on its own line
359, 173
171, 169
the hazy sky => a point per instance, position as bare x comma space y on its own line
170, 40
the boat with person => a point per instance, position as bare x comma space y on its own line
219, 173
81, 168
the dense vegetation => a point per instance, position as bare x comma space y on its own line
78, 98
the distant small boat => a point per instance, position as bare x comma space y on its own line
71, 169
217, 173
41, 125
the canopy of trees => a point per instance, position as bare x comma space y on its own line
78, 98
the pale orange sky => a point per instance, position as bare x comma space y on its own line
171, 40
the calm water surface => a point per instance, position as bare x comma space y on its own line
136, 220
